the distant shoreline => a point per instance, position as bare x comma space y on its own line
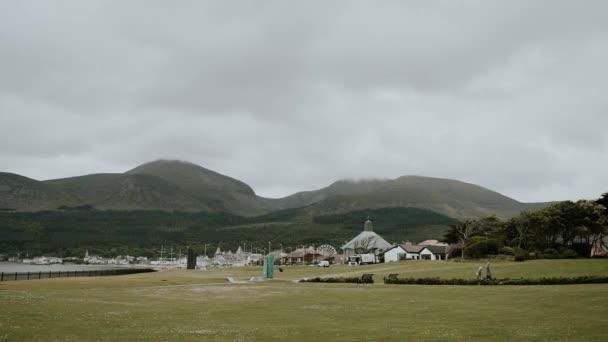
19, 267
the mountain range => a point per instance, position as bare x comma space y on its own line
182, 186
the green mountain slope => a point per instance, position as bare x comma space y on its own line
127, 192
219, 192
449, 197
159, 185
22, 193
339, 188
193, 177
177, 185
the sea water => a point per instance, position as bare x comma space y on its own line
11, 267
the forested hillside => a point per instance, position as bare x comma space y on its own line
114, 232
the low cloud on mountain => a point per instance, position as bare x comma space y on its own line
289, 97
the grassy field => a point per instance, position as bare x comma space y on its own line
201, 305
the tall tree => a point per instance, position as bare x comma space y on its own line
488, 225
603, 201
462, 232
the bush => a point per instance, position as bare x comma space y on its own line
504, 257
460, 281
582, 249
480, 247
435, 281
455, 254
551, 253
519, 254
505, 281
569, 253
330, 280
507, 250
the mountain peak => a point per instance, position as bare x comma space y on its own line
360, 180
182, 185
191, 176
165, 162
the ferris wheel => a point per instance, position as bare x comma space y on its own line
326, 250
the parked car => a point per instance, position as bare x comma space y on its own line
323, 263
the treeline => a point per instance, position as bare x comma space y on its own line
395, 217
108, 233
563, 230
72, 231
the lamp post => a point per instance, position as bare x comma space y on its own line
281, 254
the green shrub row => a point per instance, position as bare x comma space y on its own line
330, 280
505, 281
520, 254
460, 281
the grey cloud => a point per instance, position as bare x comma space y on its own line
293, 96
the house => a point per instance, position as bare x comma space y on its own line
280, 257
255, 259
219, 260
304, 255
432, 243
202, 262
394, 254
415, 252
412, 252
435, 253
404, 252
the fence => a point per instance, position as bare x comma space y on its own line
8, 276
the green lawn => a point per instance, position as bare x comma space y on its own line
201, 305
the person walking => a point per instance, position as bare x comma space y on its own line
488, 272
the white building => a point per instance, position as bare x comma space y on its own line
426, 254
434, 253
366, 242
394, 254
415, 252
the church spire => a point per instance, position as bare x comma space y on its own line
368, 226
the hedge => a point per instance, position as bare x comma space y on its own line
460, 281
330, 280
505, 281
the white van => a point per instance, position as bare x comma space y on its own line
323, 263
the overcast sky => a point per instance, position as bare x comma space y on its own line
289, 96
